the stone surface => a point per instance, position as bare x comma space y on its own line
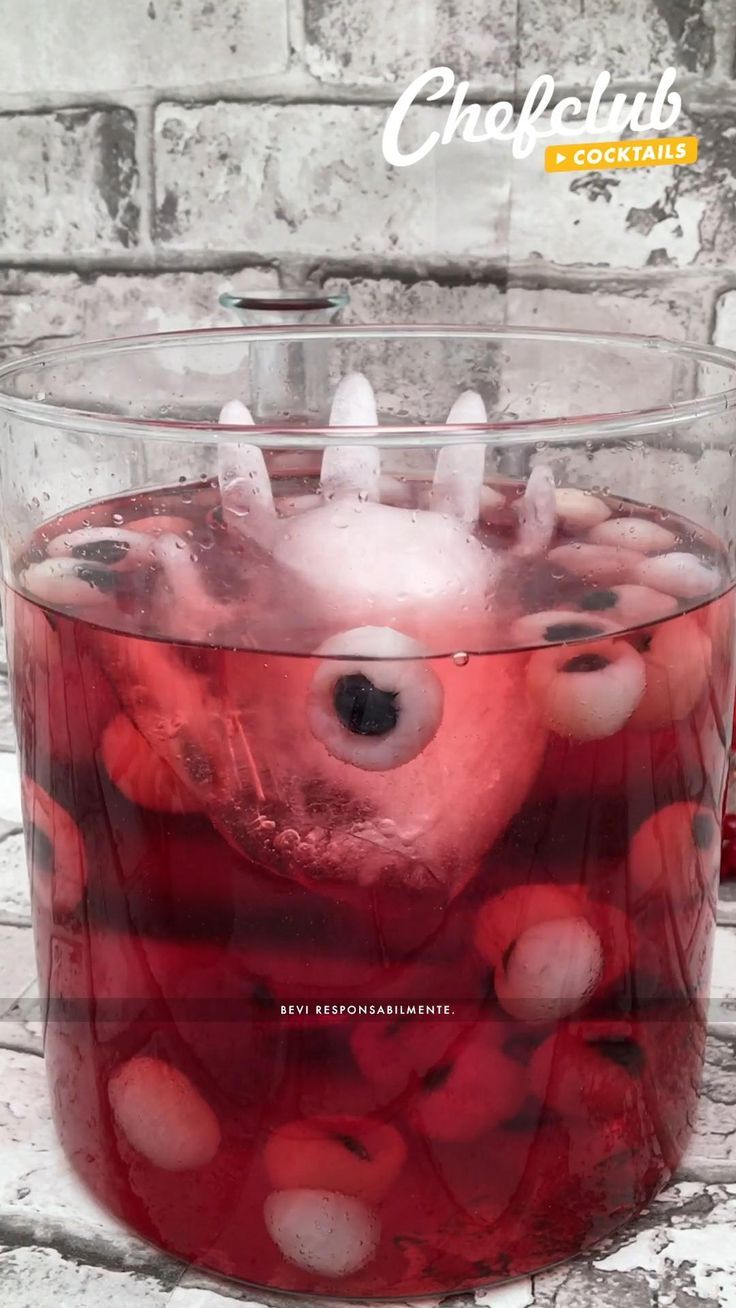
374, 42
600, 380
7, 730
678, 308
17, 968
423, 301
631, 218
90, 47
42, 309
14, 891
10, 811
725, 326
630, 39
311, 179
70, 182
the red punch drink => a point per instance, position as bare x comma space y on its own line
375, 940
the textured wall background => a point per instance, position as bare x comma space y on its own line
155, 152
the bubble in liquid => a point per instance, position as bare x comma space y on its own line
461, 659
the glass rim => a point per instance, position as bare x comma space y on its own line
600, 426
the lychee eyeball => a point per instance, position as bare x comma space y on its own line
552, 949
551, 971
162, 1116
588, 695
61, 887
579, 509
104, 547
329, 1234
395, 1054
677, 663
680, 574
66, 582
676, 851
626, 605
588, 1071
633, 533
505, 917
472, 1091
161, 524
558, 627
349, 1155
607, 564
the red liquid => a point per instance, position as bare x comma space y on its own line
443, 1152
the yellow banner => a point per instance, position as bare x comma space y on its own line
600, 156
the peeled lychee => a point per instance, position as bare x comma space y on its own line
552, 949
330, 1234
551, 971
676, 853
348, 1155
677, 664
475, 1089
395, 1054
588, 1071
67, 873
160, 1113
588, 694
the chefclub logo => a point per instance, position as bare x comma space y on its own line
540, 118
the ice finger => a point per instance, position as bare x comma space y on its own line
352, 469
458, 478
537, 512
245, 486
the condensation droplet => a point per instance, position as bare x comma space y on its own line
461, 659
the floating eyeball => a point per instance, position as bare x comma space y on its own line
329, 1234
350, 1155
68, 871
374, 702
161, 524
393, 1055
68, 583
475, 1089
683, 575
677, 662
627, 605
104, 547
162, 1115
504, 918
676, 851
578, 510
550, 971
558, 626
589, 695
589, 1070
604, 563
633, 533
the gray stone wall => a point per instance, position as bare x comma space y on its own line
157, 152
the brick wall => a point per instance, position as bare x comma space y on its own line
156, 152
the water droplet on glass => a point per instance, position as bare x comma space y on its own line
461, 659
117, 519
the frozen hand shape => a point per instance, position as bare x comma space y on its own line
367, 763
